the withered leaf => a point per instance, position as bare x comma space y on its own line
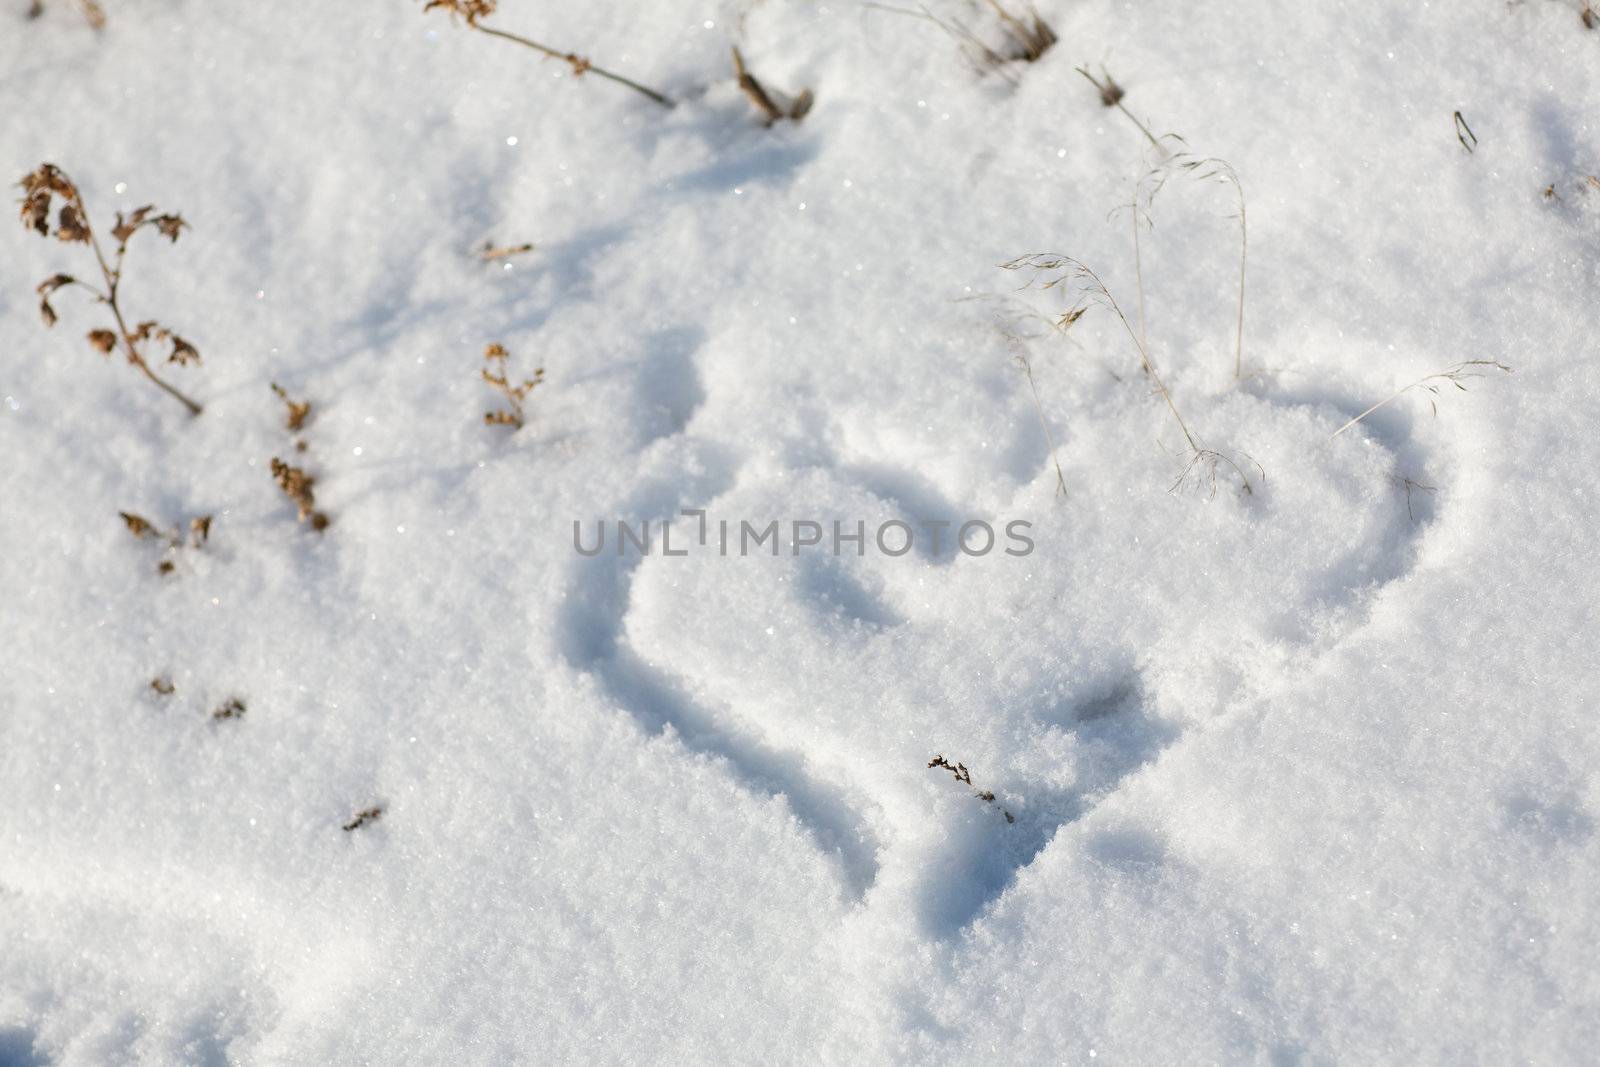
170, 226
200, 530
47, 312
71, 226
183, 353
137, 525
126, 228
104, 340
36, 212
295, 418
52, 283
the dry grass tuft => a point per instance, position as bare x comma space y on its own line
497, 374
473, 12
1185, 164
41, 189
1457, 376
1024, 36
1086, 290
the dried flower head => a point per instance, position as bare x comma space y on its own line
471, 10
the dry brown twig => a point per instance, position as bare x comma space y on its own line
472, 12
71, 226
497, 375
297, 486
771, 111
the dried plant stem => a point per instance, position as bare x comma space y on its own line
1455, 376
72, 226
1238, 336
579, 64
1111, 96
1027, 369
1204, 169
1144, 359
1138, 272
113, 279
981, 55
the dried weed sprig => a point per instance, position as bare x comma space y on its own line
232, 708
962, 775
497, 375
472, 12
175, 540
1031, 36
767, 103
91, 10
295, 411
491, 251
1111, 95
1409, 486
1051, 271
1432, 384
297, 486
361, 818
1203, 169
1027, 35
1463, 132
40, 191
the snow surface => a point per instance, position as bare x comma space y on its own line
1305, 775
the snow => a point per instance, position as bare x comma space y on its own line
1307, 774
